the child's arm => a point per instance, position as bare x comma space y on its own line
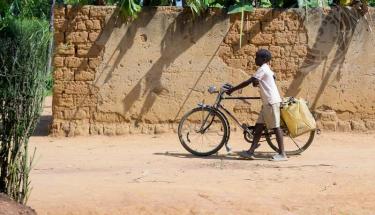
242, 85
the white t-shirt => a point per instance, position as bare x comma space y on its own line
268, 89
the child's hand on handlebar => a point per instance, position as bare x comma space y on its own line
227, 88
255, 82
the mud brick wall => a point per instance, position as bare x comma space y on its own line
114, 77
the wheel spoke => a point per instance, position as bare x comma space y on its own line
206, 131
295, 145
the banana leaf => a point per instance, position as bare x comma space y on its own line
241, 7
265, 4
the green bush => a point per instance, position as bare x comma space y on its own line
23, 75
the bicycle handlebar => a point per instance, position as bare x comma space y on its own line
221, 92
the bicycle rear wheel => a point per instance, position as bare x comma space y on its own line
202, 131
292, 145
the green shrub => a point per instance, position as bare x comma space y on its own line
23, 75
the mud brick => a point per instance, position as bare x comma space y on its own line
281, 38
77, 113
343, 126
249, 50
232, 38
81, 26
109, 129
291, 65
63, 74
292, 38
94, 62
260, 15
96, 129
329, 126
58, 61
85, 10
94, 36
82, 129
358, 125
299, 51
99, 12
84, 75
107, 117
274, 25
78, 87
370, 124
237, 63
58, 87
287, 50
278, 64
275, 51
63, 100
65, 49
93, 24
292, 25
122, 128
250, 27
77, 37
161, 128
60, 25
77, 13
89, 50
326, 115
261, 39
59, 12
86, 101
148, 129
75, 62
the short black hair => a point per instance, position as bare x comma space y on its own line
264, 54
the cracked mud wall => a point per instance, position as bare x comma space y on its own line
114, 77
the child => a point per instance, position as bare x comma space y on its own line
270, 113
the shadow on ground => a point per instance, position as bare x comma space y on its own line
233, 156
42, 128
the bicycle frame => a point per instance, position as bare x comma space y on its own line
217, 106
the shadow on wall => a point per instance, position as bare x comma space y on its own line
95, 51
172, 46
336, 31
125, 43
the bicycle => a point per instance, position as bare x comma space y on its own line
210, 121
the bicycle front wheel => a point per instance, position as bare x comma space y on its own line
202, 131
292, 145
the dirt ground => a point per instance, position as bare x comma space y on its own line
145, 174
10, 207
155, 175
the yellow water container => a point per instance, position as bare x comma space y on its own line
297, 116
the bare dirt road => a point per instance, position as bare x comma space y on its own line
144, 174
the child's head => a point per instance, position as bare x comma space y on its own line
262, 56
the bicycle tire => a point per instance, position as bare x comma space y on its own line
293, 152
220, 144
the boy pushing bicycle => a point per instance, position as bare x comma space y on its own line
269, 115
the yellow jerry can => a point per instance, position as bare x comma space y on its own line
297, 116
